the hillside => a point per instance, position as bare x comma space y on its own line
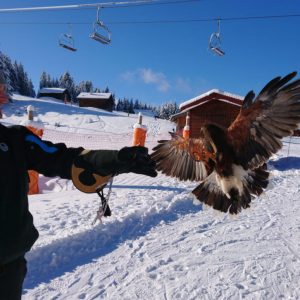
158, 244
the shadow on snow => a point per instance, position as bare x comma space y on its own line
285, 163
65, 255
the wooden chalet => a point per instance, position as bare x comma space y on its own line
56, 93
215, 106
98, 100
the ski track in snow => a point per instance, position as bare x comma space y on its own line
171, 249
158, 244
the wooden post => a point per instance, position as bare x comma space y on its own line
186, 129
139, 132
30, 110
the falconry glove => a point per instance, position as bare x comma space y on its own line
93, 168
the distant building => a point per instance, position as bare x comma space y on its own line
215, 106
98, 100
3, 90
57, 93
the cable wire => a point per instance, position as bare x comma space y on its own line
161, 21
93, 5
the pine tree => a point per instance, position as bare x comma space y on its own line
120, 105
31, 89
43, 80
130, 109
89, 86
14, 77
67, 82
166, 110
136, 104
55, 83
84, 87
22, 79
5, 69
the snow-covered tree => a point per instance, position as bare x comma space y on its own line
14, 77
24, 83
6, 69
84, 87
67, 82
55, 82
31, 89
43, 80
166, 110
136, 104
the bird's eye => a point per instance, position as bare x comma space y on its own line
209, 147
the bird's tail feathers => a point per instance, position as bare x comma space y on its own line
210, 191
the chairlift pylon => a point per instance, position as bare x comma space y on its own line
66, 41
99, 27
215, 42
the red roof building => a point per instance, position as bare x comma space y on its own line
215, 106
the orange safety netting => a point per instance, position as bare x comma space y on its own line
33, 175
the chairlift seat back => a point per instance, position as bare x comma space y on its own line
66, 41
217, 51
104, 38
67, 47
215, 44
100, 38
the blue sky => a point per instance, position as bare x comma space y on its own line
158, 62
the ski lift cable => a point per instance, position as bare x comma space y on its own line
72, 6
158, 21
93, 5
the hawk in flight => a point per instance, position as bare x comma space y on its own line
230, 163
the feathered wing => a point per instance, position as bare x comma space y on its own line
186, 159
263, 121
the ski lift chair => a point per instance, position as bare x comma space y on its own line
105, 37
215, 42
67, 41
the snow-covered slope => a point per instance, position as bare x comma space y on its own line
158, 244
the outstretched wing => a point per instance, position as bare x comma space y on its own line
262, 122
186, 159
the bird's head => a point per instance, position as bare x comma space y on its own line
214, 135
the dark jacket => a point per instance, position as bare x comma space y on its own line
21, 150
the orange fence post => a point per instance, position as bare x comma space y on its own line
186, 129
38, 129
139, 133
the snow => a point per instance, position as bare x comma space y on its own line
51, 90
188, 102
32, 123
94, 96
188, 109
157, 244
140, 126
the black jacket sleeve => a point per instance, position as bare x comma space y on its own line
47, 158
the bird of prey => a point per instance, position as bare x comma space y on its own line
230, 163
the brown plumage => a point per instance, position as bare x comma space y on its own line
230, 164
